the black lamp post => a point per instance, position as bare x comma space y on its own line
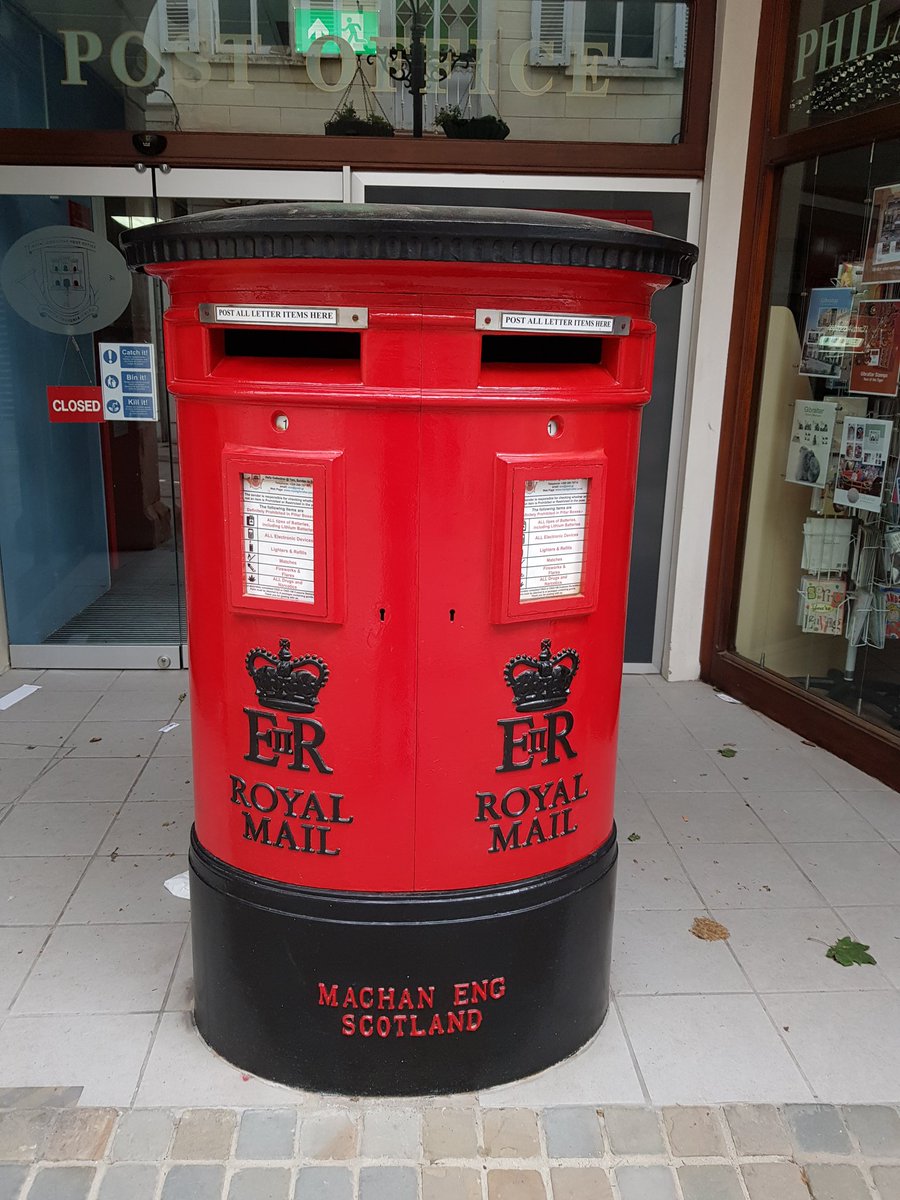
410, 64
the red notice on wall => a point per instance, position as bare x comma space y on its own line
66, 403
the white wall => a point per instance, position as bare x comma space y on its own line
732, 94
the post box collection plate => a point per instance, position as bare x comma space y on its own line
307, 316
497, 321
406, 545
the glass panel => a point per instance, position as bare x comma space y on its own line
845, 60
576, 70
601, 25
638, 28
820, 593
89, 507
273, 23
234, 18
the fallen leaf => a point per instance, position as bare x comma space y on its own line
182, 696
848, 953
728, 751
708, 930
806, 743
96, 739
114, 854
633, 837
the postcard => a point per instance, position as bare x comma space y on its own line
862, 466
881, 263
876, 366
810, 446
827, 327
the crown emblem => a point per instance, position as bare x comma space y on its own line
284, 682
543, 682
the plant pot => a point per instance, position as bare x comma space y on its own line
484, 128
355, 127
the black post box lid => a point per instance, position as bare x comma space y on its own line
409, 233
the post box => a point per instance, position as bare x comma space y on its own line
408, 441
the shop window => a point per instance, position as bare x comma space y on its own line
820, 592
582, 71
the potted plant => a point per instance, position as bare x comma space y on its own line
346, 122
456, 125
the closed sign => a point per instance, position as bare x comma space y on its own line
74, 404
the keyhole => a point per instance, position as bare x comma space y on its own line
452, 614
381, 613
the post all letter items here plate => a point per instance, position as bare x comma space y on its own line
502, 321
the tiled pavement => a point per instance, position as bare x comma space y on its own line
431, 1152
782, 842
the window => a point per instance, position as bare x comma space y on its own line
263, 25
630, 31
623, 35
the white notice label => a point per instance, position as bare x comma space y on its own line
535, 322
279, 559
254, 314
553, 538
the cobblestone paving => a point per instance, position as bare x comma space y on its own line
50, 1149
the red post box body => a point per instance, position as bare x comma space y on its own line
409, 445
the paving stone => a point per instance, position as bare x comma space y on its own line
268, 1133
193, 1182
645, 1183
24, 1133
204, 1133
694, 1132
62, 1183
451, 1183
46, 1097
633, 1131
511, 1133
817, 1129
580, 1183
836, 1181
80, 1133
515, 1185
757, 1129
144, 1135
12, 1176
449, 1133
324, 1183
331, 1133
388, 1183
391, 1133
260, 1183
710, 1182
129, 1181
887, 1180
573, 1133
774, 1181
876, 1127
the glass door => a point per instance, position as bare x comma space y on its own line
89, 496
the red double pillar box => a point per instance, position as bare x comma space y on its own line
408, 442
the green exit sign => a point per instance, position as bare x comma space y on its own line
358, 29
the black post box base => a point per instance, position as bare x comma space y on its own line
400, 995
